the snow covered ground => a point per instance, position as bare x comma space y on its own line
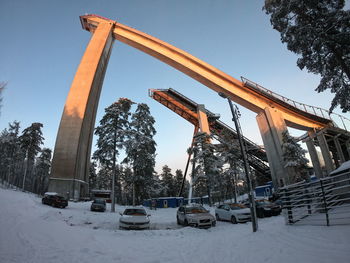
32, 232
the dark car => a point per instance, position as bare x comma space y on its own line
267, 208
54, 200
98, 205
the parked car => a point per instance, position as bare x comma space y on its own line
195, 215
235, 213
53, 199
266, 208
98, 205
134, 218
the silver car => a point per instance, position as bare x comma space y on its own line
195, 215
235, 213
134, 218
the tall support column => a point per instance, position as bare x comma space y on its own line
325, 152
71, 159
313, 155
203, 119
339, 149
271, 125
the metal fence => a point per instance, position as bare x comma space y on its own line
322, 202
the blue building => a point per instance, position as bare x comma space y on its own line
263, 191
164, 202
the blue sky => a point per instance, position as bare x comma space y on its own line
42, 43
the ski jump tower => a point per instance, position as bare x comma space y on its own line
71, 159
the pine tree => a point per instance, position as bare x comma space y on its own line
10, 155
111, 135
167, 179
178, 182
318, 31
92, 176
30, 142
140, 151
294, 158
42, 171
208, 165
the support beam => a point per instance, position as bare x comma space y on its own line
71, 159
325, 152
271, 125
339, 149
203, 119
313, 155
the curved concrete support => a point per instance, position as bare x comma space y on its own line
70, 164
203, 72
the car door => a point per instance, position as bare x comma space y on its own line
226, 212
220, 211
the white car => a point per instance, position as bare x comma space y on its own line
195, 215
235, 213
134, 218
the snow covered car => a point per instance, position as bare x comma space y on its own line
236, 213
195, 215
98, 205
134, 218
53, 199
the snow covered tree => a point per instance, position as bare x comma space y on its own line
92, 176
319, 31
111, 134
208, 165
42, 171
30, 142
294, 158
178, 182
140, 149
9, 152
168, 183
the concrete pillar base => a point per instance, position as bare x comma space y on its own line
69, 188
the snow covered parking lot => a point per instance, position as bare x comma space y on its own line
32, 232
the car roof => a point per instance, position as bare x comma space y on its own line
51, 193
134, 207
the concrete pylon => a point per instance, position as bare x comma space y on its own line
325, 152
203, 119
313, 155
71, 159
272, 125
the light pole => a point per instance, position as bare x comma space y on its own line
235, 116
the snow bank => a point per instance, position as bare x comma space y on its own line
32, 232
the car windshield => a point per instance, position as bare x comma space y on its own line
237, 206
135, 212
97, 201
195, 210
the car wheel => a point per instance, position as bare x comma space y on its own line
233, 220
260, 214
217, 217
178, 221
213, 223
185, 222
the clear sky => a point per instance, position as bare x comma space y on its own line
42, 43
